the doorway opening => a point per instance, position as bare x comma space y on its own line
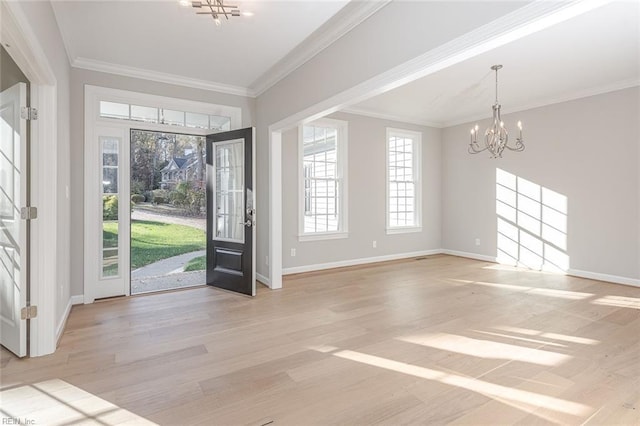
168, 211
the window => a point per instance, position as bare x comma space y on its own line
323, 180
403, 181
169, 117
110, 223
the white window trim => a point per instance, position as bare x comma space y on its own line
95, 94
342, 128
417, 167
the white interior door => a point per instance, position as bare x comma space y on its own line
13, 230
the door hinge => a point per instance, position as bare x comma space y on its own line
28, 113
29, 213
29, 312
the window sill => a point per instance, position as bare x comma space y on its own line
406, 230
323, 236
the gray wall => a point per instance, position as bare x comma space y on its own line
366, 197
397, 33
587, 150
81, 77
45, 28
10, 74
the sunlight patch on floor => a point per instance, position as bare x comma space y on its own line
56, 402
548, 335
487, 349
551, 292
618, 301
513, 268
521, 399
323, 348
521, 339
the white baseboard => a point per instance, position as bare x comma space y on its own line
77, 300
73, 300
470, 255
354, 262
264, 280
604, 277
63, 321
575, 272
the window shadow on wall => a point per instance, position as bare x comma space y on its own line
532, 224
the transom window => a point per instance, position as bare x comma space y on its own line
323, 150
146, 114
403, 181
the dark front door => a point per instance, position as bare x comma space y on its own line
231, 211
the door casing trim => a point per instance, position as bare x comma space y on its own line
92, 96
27, 52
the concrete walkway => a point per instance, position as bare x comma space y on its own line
169, 266
168, 273
168, 282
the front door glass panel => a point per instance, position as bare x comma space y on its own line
229, 191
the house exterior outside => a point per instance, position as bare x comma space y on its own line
183, 169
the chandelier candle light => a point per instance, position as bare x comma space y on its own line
496, 137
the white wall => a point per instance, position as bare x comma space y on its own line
366, 197
43, 24
587, 150
79, 78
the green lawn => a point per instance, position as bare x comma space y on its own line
196, 264
153, 241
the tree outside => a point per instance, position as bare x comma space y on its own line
168, 168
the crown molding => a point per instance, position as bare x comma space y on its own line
391, 117
106, 67
349, 17
526, 20
572, 96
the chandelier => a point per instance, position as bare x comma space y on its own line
496, 137
215, 8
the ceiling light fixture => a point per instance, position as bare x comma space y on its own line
216, 8
496, 137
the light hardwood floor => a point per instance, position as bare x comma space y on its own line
438, 340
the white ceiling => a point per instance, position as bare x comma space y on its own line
594, 52
164, 37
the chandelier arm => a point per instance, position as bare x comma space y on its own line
210, 5
474, 150
221, 5
519, 146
